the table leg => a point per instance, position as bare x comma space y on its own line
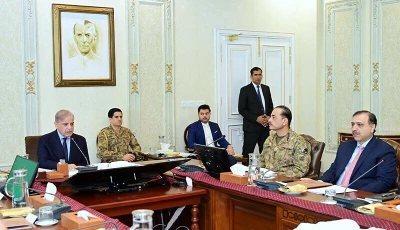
195, 219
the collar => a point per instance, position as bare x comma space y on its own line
61, 136
365, 143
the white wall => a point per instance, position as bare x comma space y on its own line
11, 80
195, 22
89, 104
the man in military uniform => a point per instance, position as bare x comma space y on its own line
113, 142
285, 151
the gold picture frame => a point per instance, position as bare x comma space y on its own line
84, 47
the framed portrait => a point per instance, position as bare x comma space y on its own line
84, 47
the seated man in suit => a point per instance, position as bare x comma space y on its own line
357, 156
205, 132
63, 143
285, 151
113, 142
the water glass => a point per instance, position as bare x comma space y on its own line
45, 214
329, 194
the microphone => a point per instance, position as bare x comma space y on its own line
58, 208
80, 150
223, 136
344, 194
352, 203
83, 168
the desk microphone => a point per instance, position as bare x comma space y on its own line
87, 162
349, 202
344, 194
223, 136
58, 208
87, 168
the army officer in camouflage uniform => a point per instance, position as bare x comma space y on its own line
285, 151
113, 142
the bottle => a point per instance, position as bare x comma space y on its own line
142, 219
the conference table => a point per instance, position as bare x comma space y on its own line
224, 206
229, 206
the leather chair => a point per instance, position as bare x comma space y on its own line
316, 151
31, 146
396, 146
185, 139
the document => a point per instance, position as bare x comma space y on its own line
337, 188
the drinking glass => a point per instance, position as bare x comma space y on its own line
329, 194
45, 214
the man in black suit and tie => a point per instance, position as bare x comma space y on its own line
255, 105
63, 144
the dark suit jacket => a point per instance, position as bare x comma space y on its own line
196, 134
50, 151
250, 107
379, 179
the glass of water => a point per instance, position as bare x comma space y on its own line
328, 195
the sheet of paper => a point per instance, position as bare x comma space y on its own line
337, 188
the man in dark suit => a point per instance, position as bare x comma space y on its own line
255, 105
63, 144
357, 156
208, 133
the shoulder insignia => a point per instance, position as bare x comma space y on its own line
305, 150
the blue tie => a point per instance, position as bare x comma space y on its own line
65, 150
259, 98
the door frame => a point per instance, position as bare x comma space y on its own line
256, 34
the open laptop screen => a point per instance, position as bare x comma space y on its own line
23, 163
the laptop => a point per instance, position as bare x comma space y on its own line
22, 163
216, 160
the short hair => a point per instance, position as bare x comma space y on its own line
62, 114
255, 69
92, 28
112, 111
204, 107
371, 117
286, 113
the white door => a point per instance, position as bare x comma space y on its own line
234, 59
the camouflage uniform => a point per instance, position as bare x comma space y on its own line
290, 157
113, 146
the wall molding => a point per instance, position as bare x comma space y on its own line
30, 68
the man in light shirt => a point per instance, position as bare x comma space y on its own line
208, 133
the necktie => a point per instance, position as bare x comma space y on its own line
259, 98
65, 150
349, 171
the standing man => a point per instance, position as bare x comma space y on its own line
63, 143
208, 133
113, 142
285, 151
357, 156
255, 105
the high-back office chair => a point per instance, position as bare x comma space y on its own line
31, 145
396, 146
185, 139
316, 151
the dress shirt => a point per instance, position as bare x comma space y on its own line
262, 96
207, 134
68, 143
339, 181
